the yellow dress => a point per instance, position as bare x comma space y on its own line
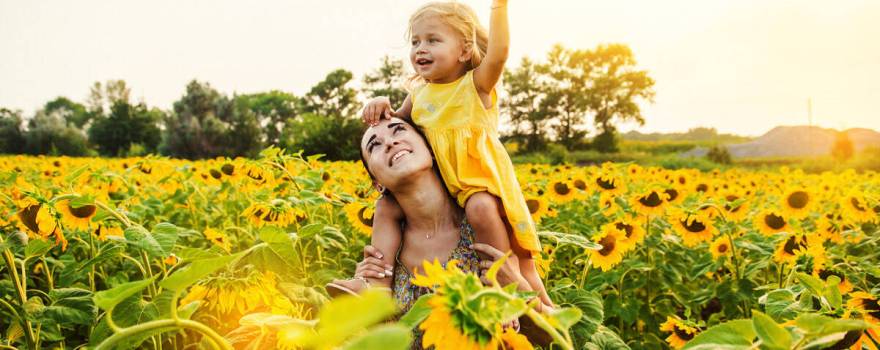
464, 137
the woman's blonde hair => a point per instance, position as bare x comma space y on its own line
463, 20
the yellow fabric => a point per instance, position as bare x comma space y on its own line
464, 137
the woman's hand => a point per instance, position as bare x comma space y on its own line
509, 271
372, 265
376, 109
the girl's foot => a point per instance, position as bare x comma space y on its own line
356, 286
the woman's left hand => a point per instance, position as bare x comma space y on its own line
509, 271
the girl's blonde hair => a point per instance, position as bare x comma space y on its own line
463, 20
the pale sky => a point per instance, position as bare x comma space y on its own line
741, 66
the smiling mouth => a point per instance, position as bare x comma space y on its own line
397, 156
423, 62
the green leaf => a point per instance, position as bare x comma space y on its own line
73, 175
780, 304
139, 237
186, 311
605, 339
280, 243
195, 271
82, 201
832, 293
772, 334
814, 284
109, 251
36, 248
166, 235
390, 337
107, 299
417, 313
571, 239
349, 315
565, 318
736, 334
69, 306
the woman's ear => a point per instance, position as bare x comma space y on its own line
379, 187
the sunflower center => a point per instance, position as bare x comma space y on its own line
651, 200
722, 248
580, 184
682, 334
824, 274
682, 180
227, 169
798, 199
365, 220
533, 205
606, 184
561, 188
28, 216
731, 198
856, 204
702, 187
325, 176
216, 174
673, 194
608, 242
83, 211
792, 244
695, 226
625, 228
774, 221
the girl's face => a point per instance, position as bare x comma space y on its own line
438, 53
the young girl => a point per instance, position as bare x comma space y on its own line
457, 109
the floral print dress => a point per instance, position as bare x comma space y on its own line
406, 293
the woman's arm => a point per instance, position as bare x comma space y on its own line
486, 75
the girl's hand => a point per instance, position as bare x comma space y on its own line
376, 109
509, 271
372, 265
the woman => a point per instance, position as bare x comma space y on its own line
435, 226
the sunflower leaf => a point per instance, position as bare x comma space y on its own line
772, 335
417, 313
36, 248
813, 283
107, 299
195, 271
391, 336
139, 237
736, 334
166, 235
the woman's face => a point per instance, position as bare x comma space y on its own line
393, 151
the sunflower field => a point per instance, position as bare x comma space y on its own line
158, 253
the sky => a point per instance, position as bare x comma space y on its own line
740, 66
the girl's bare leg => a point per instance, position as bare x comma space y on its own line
485, 214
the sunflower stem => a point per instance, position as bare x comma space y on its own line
163, 325
115, 214
541, 322
22, 295
289, 175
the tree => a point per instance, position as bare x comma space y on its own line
523, 105
616, 87
102, 97
50, 133
126, 125
72, 112
719, 154
331, 97
564, 78
335, 138
387, 80
842, 149
206, 124
11, 133
273, 110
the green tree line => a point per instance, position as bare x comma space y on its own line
546, 102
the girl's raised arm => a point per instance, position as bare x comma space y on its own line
486, 75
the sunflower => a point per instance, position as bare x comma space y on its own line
36, 220
771, 222
797, 203
805, 251
103, 231
652, 202
77, 218
538, 207
456, 319
632, 229
608, 204
561, 191
844, 286
612, 252
856, 208
277, 212
608, 183
681, 331
218, 238
693, 228
735, 207
360, 215
867, 305
674, 194
720, 247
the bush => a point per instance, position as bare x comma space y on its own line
606, 142
50, 134
11, 133
719, 154
115, 134
337, 138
